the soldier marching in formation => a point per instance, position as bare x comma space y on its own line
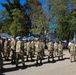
19, 52
38, 51
25, 47
1, 58
43, 47
55, 48
50, 46
13, 49
29, 49
60, 50
18, 49
5, 48
32, 48
72, 51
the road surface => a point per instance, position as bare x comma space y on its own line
59, 67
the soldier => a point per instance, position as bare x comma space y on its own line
25, 47
32, 48
1, 59
8, 49
19, 52
29, 49
13, 49
42, 46
50, 50
72, 51
55, 48
60, 50
5, 48
38, 51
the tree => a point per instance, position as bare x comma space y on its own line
16, 26
65, 27
38, 18
73, 17
4, 22
20, 21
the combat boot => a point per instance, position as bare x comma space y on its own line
48, 58
62, 56
24, 66
27, 58
58, 57
36, 61
41, 61
17, 66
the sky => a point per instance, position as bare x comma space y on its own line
22, 2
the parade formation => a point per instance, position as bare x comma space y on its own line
14, 50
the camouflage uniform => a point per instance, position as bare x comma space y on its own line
25, 47
5, 48
50, 46
19, 52
13, 49
38, 51
42, 46
1, 59
72, 52
32, 48
29, 50
8, 49
60, 50
55, 49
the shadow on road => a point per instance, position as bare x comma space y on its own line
1, 73
30, 65
11, 69
36, 65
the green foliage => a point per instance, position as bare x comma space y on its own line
38, 18
65, 19
72, 17
4, 22
19, 19
15, 27
23, 16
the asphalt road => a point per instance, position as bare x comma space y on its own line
59, 67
